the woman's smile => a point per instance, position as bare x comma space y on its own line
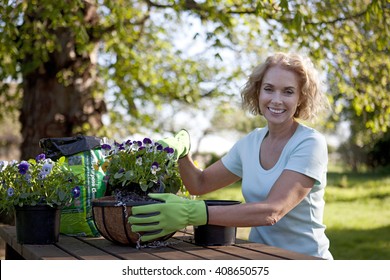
276, 111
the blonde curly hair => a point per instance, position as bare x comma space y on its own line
312, 97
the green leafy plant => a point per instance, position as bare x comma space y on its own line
140, 167
37, 181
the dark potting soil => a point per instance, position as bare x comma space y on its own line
125, 196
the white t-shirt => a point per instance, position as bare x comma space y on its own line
302, 229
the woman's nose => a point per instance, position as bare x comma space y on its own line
276, 98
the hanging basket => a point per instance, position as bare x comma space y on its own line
111, 220
38, 224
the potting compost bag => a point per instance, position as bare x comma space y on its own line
82, 154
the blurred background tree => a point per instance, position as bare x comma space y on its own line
109, 67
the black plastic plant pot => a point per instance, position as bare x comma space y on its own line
37, 224
211, 235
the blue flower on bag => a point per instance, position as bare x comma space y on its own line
76, 192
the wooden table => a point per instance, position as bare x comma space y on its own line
180, 247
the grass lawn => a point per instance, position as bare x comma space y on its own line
357, 214
359, 230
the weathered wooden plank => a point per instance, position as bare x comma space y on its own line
45, 252
32, 252
224, 252
185, 244
261, 251
82, 250
121, 251
167, 253
181, 246
247, 254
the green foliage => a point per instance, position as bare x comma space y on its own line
354, 42
143, 65
149, 69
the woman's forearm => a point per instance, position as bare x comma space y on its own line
191, 175
244, 215
199, 181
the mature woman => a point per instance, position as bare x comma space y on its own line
282, 166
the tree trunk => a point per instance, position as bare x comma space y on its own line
53, 108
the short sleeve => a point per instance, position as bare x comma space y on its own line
233, 161
310, 157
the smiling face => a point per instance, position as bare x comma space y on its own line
279, 95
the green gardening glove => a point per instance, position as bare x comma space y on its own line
165, 218
180, 143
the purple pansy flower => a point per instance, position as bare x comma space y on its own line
147, 141
139, 143
128, 144
119, 146
155, 167
40, 157
106, 147
159, 147
23, 167
169, 150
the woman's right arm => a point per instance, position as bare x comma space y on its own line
199, 181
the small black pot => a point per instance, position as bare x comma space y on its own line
211, 235
38, 224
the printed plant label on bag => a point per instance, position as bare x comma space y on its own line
76, 219
82, 154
